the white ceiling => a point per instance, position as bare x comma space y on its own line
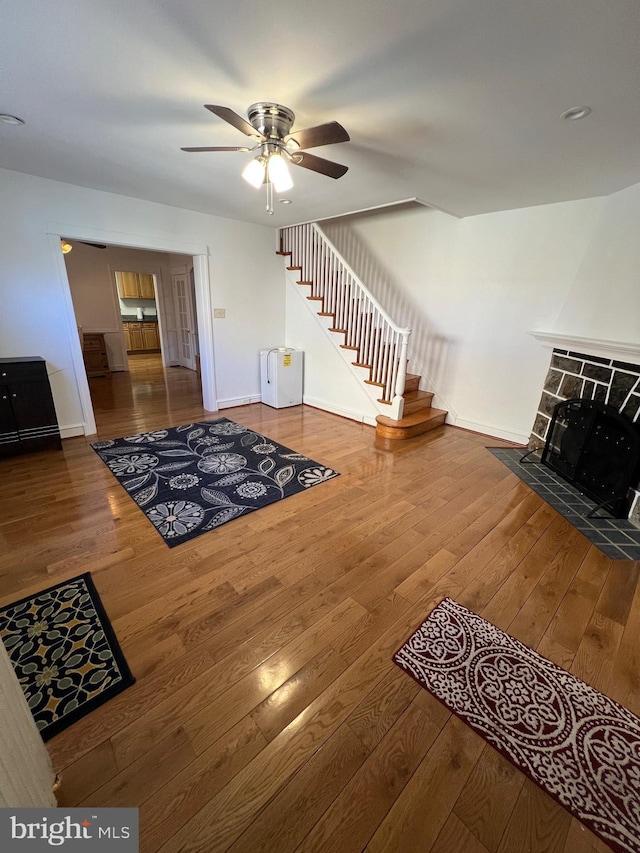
454, 102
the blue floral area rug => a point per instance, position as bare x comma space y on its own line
64, 653
193, 478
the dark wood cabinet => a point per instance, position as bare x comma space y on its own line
27, 414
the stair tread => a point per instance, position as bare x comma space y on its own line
413, 419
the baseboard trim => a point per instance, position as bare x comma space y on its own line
232, 402
489, 430
72, 430
336, 410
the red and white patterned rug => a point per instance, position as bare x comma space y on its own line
580, 746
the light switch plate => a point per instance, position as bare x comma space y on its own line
219, 313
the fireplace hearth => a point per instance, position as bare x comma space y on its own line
588, 427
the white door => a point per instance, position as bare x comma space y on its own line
184, 318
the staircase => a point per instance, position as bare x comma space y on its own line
359, 325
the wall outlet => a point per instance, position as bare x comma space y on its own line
219, 313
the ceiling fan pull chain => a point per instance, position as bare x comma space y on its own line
269, 198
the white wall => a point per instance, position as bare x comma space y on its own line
328, 381
473, 289
246, 277
604, 299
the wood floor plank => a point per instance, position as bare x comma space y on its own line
167, 810
423, 806
283, 705
536, 613
140, 780
454, 836
488, 798
374, 787
537, 823
581, 840
287, 819
380, 709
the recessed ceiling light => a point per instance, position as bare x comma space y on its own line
7, 119
284, 200
576, 113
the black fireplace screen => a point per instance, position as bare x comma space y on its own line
597, 449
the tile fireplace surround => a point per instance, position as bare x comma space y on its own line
574, 374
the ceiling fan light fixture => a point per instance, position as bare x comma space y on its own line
278, 173
254, 172
66, 247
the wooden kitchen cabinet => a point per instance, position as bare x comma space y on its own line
27, 414
141, 337
135, 285
94, 353
150, 337
135, 335
128, 287
145, 284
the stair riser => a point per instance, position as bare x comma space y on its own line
417, 405
399, 434
412, 384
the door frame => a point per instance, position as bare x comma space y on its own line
167, 244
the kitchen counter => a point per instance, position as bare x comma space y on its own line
131, 318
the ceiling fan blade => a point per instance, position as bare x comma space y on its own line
234, 119
319, 164
216, 148
323, 134
95, 245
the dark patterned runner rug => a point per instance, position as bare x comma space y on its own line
64, 652
193, 478
581, 747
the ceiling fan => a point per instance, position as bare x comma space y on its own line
270, 126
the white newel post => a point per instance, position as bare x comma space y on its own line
397, 404
26, 774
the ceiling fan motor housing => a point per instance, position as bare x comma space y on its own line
271, 120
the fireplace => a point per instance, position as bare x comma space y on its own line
593, 378
597, 449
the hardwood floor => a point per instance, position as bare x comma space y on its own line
267, 714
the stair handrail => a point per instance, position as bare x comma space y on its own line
395, 375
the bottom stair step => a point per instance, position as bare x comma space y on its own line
414, 424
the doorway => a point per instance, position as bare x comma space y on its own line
202, 328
